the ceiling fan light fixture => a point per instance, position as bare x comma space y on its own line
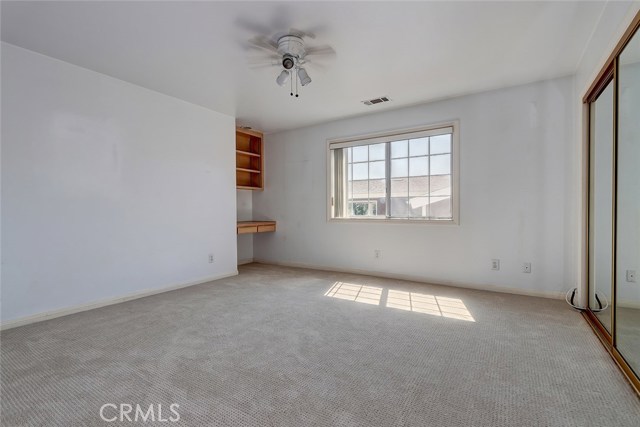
283, 78
288, 62
303, 76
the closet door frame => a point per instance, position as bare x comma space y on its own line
609, 77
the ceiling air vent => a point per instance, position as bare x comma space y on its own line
376, 100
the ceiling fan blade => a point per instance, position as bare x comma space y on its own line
320, 50
315, 65
259, 65
301, 34
272, 57
264, 43
268, 61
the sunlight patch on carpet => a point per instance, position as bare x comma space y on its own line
452, 308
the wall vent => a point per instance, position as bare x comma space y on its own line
376, 100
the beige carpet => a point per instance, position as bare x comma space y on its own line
289, 347
628, 330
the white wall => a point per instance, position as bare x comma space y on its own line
108, 189
245, 213
514, 148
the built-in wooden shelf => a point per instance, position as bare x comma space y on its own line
247, 153
249, 159
248, 170
247, 227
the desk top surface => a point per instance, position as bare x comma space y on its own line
254, 223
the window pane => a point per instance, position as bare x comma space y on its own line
376, 170
399, 200
360, 171
349, 190
399, 187
377, 151
419, 207
440, 144
399, 168
440, 208
377, 196
377, 189
399, 149
382, 206
418, 147
399, 207
366, 188
440, 185
418, 197
360, 190
360, 154
441, 164
418, 166
419, 186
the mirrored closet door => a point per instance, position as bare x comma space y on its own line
613, 243
600, 210
628, 205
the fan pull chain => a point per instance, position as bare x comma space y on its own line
295, 75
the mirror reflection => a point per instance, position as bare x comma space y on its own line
628, 209
600, 211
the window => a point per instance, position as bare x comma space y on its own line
405, 175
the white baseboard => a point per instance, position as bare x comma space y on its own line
420, 279
245, 261
39, 317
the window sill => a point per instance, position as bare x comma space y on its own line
445, 222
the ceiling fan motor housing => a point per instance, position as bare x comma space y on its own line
291, 46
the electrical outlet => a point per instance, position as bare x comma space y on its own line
377, 253
211, 259
631, 276
526, 267
495, 264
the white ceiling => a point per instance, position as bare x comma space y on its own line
413, 52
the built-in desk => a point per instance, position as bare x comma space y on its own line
247, 227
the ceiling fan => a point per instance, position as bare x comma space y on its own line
289, 52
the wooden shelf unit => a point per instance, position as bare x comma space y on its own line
247, 227
249, 159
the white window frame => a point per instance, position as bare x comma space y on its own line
395, 135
